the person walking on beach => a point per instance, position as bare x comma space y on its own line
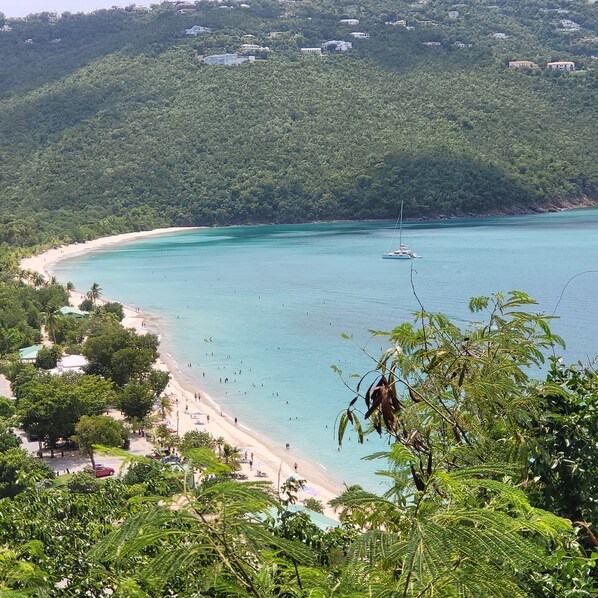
295, 467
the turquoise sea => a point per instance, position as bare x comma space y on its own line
265, 306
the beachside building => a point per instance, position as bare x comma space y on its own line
522, 64
70, 363
349, 21
359, 35
337, 45
561, 65
313, 51
73, 312
197, 29
227, 59
29, 354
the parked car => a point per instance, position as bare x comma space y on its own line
101, 471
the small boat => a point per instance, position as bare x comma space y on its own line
403, 252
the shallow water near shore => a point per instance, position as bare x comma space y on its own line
264, 307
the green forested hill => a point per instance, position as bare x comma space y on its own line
119, 126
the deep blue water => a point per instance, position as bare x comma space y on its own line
276, 299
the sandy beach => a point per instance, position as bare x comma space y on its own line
277, 462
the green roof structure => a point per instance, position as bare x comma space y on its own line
29, 353
73, 312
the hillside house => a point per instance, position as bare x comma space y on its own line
337, 45
6, 28
185, 11
500, 35
569, 25
453, 14
359, 35
197, 29
349, 21
28, 41
561, 65
401, 23
56, 40
250, 47
227, 59
312, 51
431, 44
522, 64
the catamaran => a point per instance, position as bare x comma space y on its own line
403, 252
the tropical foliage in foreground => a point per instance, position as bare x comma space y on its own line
479, 458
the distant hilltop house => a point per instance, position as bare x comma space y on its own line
185, 8
28, 41
314, 51
227, 59
6, 28
56, 40
401, 23
569, 25
349, 21
463, 45
561, 65
453, 14
337, 45
359, 35
500, 35
197, 29
275, 34
253, 48
522, 64
431, 44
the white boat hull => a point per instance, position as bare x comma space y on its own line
401, 256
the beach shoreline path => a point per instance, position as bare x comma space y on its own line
277, 463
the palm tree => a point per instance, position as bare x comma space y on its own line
70, 286
165, 405
231, 456
51, 319
94, 292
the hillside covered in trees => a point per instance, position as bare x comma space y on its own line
111, 122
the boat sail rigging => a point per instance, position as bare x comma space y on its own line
404, 252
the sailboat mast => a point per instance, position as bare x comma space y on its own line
401, 227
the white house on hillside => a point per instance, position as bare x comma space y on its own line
562, 65
359, 35
349, 21
227, 59
337, 45
197, 29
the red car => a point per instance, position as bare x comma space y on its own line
101, 471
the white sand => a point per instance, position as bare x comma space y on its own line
276, 461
